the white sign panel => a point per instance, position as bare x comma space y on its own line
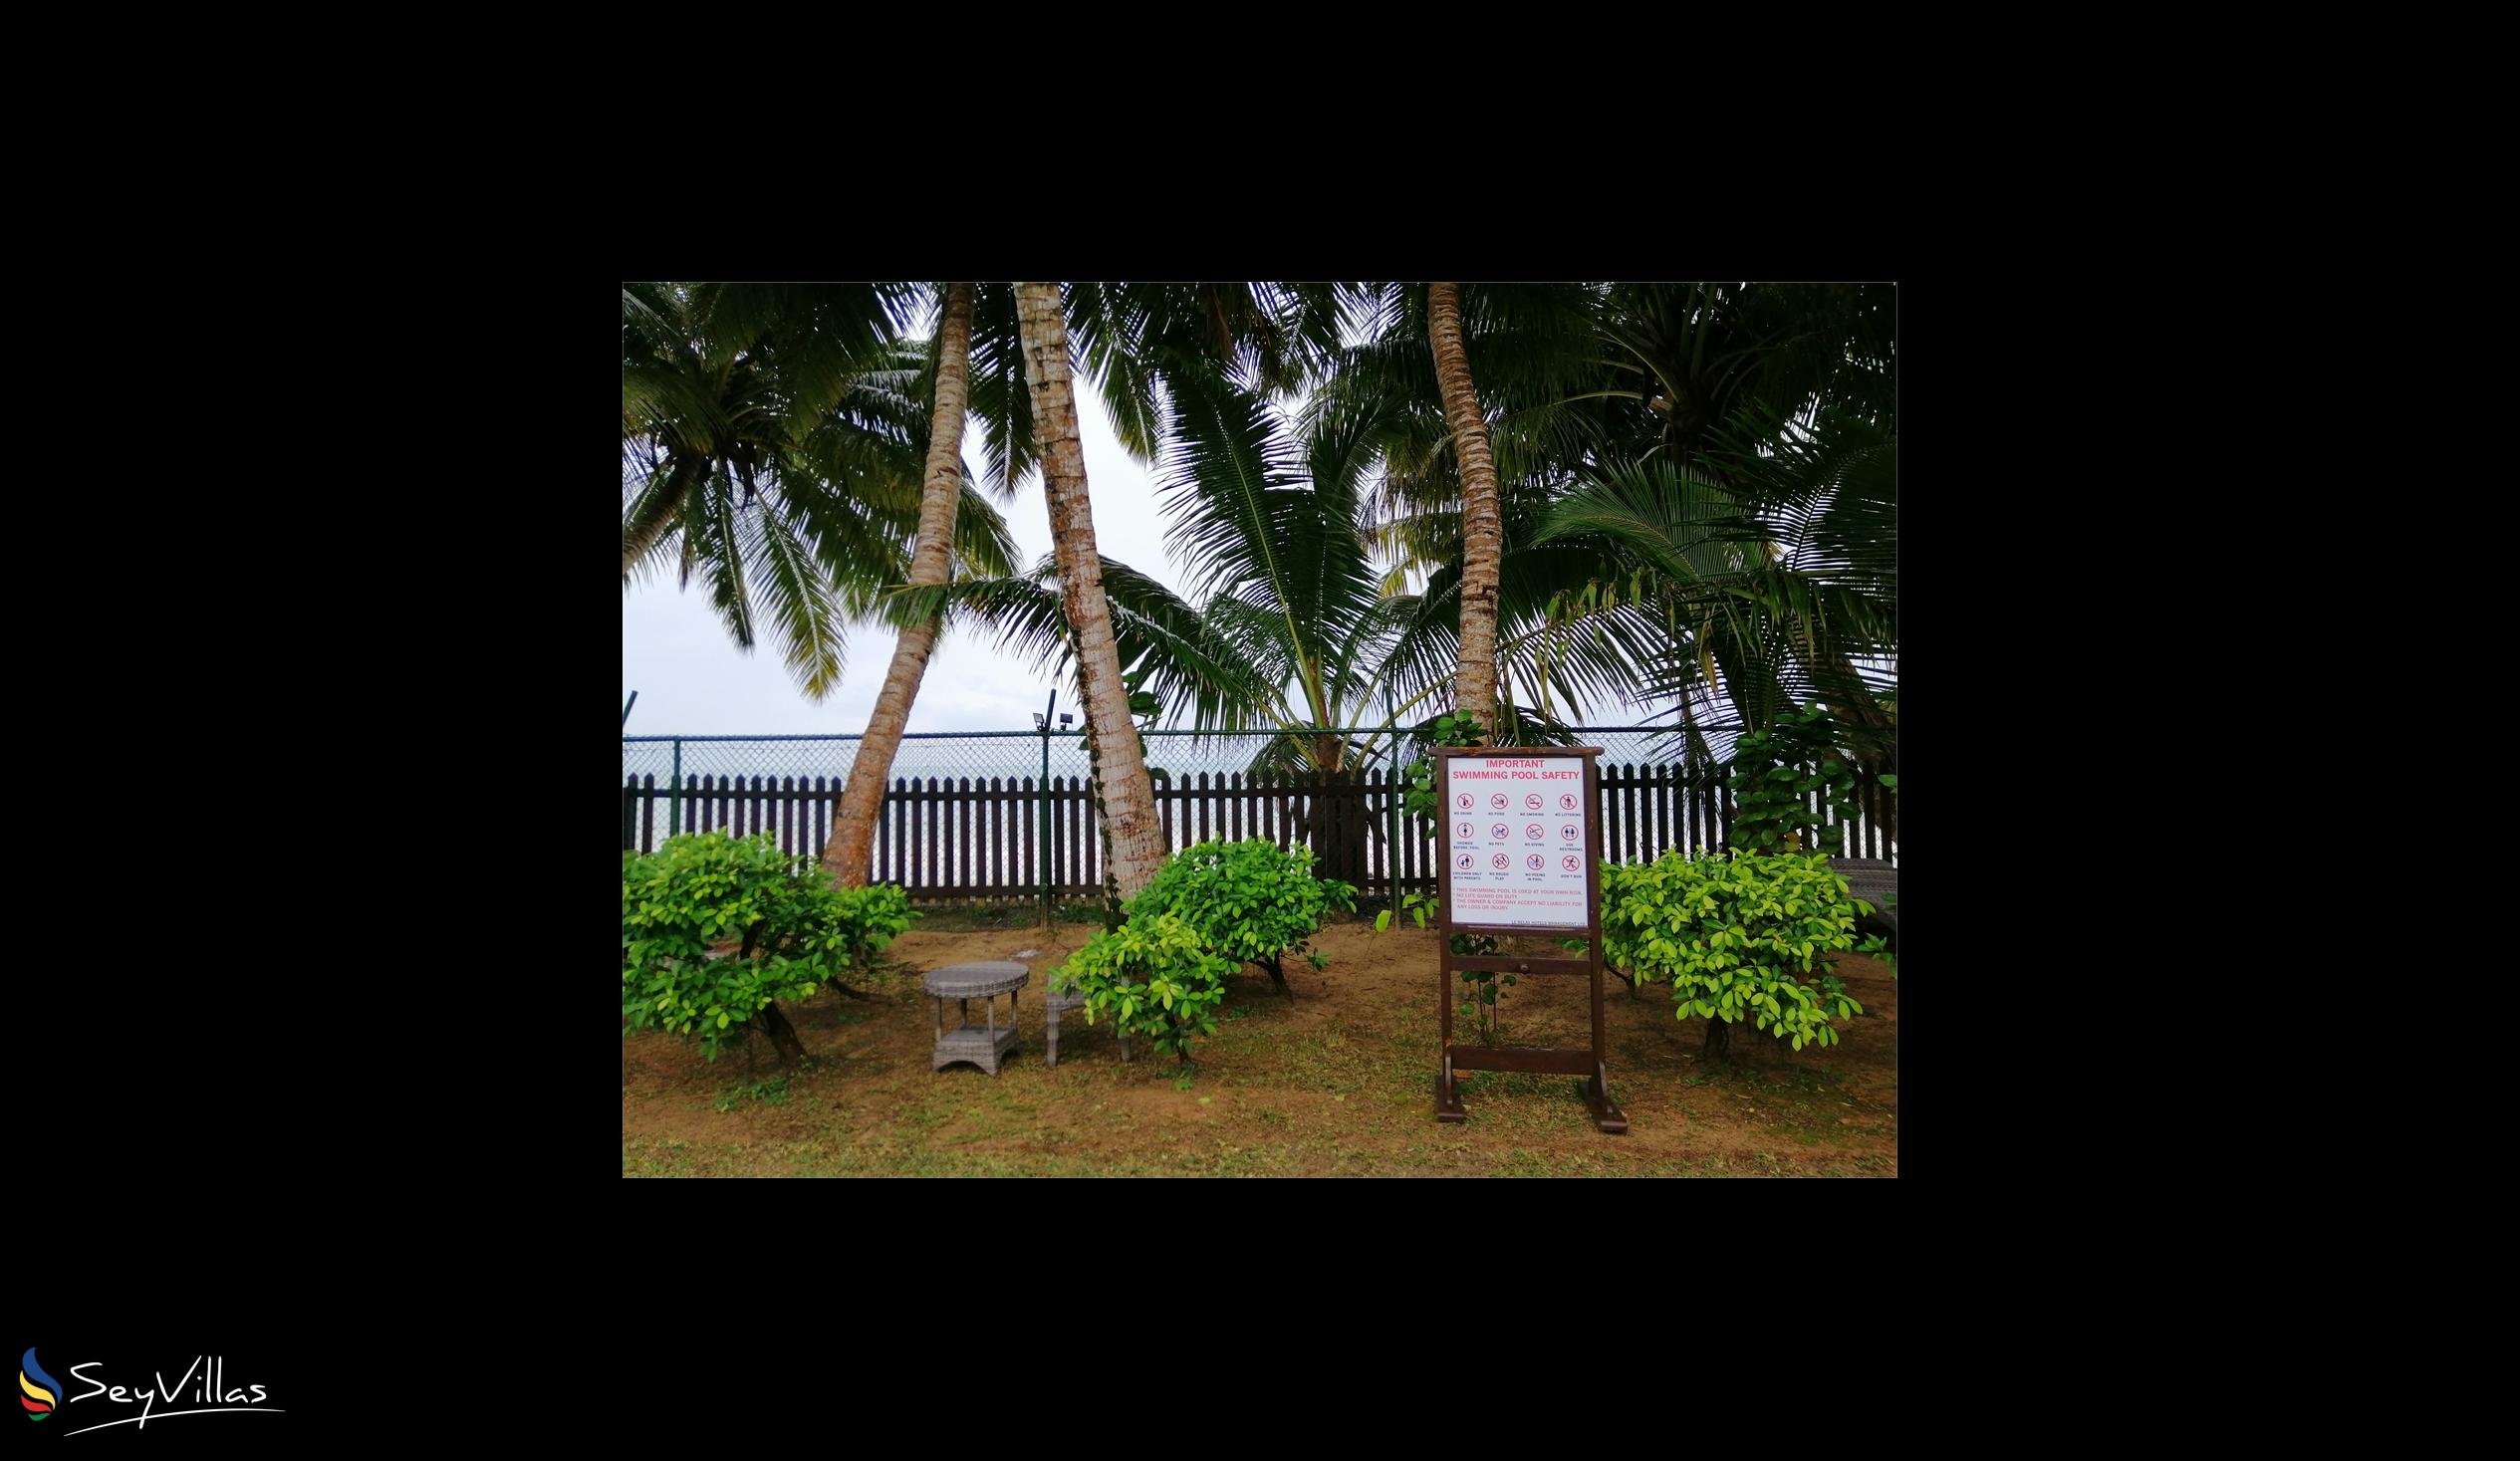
1516, 843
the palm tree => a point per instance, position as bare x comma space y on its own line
1482, 525
1451, 462
1132, 338
1293, 628
1776, 565
1768, 402
1133, 837
852, 846
771, 445
1589, 384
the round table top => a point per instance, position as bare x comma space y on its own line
970, 981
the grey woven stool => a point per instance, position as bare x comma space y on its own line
1061, 1002
973, 1044
1874, 880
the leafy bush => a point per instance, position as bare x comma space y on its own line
1154, 976
865, 919
1452, 728
1773, 770
1251, 900
792, 929
1736, 935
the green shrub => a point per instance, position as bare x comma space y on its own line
865, 919
1736, 936
1154, 976
1774, 770
1422, 801
792, 930
1251, 900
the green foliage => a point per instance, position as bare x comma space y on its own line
1876, 946
1483, 987
1423, 801
1736, 937
1420, 907
1452, 728
774, 440
793, 932
1249, 899
768, 1092
1775, 769
1154, 976
865, 919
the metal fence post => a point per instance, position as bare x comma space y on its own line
1046, 713
674, 821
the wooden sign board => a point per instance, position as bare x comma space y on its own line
1522, 856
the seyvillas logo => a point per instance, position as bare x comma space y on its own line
211, 1391
41, 1389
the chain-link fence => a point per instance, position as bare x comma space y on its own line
990, 816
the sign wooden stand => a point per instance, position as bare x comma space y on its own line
1507, 850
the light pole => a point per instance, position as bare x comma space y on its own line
1041, 723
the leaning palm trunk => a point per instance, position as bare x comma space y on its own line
851, 846
1482, 519
1133, 840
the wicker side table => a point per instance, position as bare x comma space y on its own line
982, 1045
1060, 1004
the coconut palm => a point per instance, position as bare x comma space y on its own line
1448, 458
771, 444
1293, 629
1483, 522
851, 846
1717, 384
1133, 837
1129, 338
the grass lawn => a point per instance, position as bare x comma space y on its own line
1338, 1082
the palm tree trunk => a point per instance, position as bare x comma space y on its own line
851, 846
1482, 517
1133, 840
